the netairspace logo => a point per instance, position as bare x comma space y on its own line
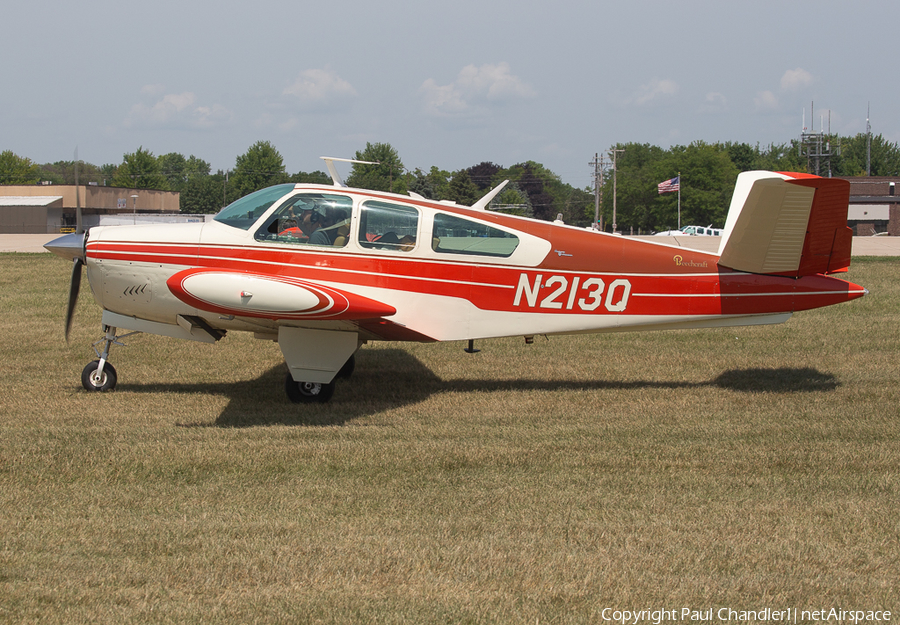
787, 616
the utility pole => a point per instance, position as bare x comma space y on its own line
79, 225
598, 189
225, 190
679, 200
614, 153
868, 142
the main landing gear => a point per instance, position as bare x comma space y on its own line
308, 392
316, 392
100, 375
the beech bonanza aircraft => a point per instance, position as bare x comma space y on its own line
323, 269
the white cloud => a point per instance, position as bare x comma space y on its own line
493, 82
654, 90
474, 89
796, 79
319, 88
792, 82
765, 101
714, 102
178, 110
153, 90
442, 100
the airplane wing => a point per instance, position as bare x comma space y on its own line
787, 224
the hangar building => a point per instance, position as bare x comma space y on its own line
874, 206
48, 209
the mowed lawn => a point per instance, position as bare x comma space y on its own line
742, 468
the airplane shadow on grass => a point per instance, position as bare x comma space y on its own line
392, 378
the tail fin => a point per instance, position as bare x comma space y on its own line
787, 224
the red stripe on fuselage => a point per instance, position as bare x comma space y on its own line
557, 286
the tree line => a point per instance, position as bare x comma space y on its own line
707, 174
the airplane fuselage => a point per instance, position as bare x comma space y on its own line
558, 279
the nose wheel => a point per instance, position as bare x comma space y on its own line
95, 378
100, 375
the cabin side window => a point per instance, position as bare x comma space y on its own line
455, 235
309, 219
385, 226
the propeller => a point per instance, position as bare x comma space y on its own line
70, 246
74, 287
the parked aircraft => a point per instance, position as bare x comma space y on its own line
324, 269
708, 231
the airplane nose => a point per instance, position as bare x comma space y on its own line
68, 246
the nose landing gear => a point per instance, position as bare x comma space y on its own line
100, 375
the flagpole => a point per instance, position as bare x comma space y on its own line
679, 200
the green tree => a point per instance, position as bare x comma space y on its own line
484, 175
638, 172
885, 156
743, 155
439, 179
316, 177
140, 170
203, 194
107, 173
512, 201
260, 167
178, 170
386, 175
418, 182
462, 189
707, 183
63, 172
781, 157
547, 197
532, 179
577, 206
18, 169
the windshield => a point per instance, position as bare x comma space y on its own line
244, 212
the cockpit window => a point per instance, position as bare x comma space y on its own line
244, 212
309, 219
455, 235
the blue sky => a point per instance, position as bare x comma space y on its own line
447, 84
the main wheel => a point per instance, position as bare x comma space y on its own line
106, 381
308, 392
347, 370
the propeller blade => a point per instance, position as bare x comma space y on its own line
74, 287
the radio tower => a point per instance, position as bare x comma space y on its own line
816, 147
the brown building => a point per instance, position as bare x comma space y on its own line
40, 209
874, 206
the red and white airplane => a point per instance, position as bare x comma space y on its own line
324, 269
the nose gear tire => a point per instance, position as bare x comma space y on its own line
106, 381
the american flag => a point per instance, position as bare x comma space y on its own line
669, 185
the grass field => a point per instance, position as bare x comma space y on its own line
743, 468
